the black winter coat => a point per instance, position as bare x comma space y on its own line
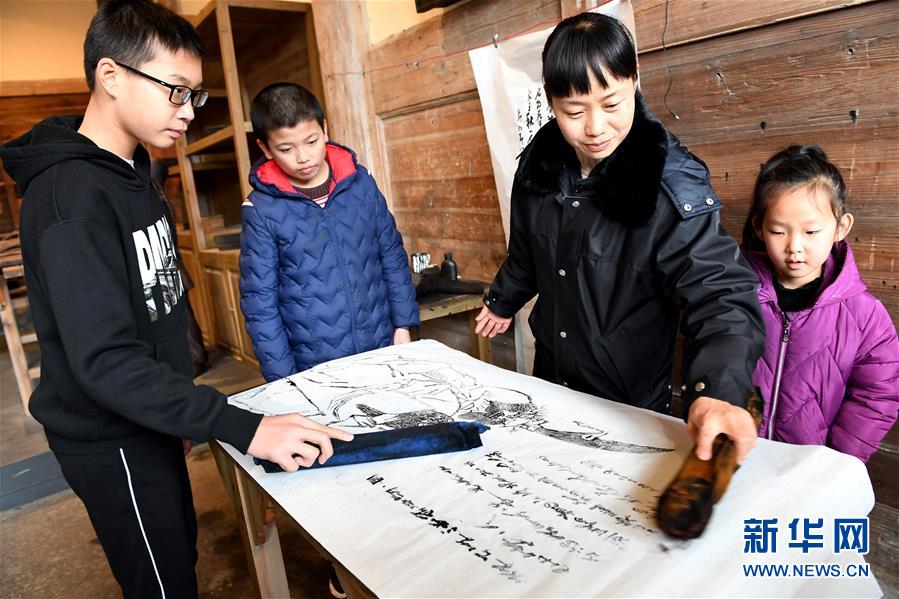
618, 259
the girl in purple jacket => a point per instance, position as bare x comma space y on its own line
830, 370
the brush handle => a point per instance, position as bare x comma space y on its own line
686, 505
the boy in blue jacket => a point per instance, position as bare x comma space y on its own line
323, 271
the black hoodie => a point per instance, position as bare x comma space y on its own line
107, 300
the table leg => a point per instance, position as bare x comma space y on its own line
267, 561
480, 346
353, 588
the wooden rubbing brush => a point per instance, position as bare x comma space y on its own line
686, 506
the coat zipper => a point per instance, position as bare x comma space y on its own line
778, 373
343, 275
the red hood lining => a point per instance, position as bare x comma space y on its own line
340, 160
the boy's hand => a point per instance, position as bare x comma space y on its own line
278, 438
186, 444
401, 336
490, 325
708, 417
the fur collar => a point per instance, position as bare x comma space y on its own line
625, 185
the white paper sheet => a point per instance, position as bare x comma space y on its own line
558, 502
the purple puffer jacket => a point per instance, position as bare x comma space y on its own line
839, 362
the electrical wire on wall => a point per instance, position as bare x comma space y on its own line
667, 66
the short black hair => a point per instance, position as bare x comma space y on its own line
592, 40
131, 31
792, 168
282, 105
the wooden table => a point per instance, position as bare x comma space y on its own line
255, 511
255, 508
536, 473
436, 305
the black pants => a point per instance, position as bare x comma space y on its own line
139, 501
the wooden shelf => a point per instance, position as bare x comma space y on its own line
250, 43
218, 137
207, 162
291, 6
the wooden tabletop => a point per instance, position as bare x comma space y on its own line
437, 305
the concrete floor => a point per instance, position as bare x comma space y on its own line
48, 548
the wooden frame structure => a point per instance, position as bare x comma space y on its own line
250, 44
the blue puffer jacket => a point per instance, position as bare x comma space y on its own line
321, 283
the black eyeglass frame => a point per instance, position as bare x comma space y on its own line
197, 97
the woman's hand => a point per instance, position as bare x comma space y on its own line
708, 417
490, 325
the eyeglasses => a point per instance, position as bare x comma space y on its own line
179, 95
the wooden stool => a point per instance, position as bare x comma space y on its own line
11, 269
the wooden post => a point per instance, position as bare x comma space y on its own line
11, 198
262, 533
480, 346
341, 34
235, 102
197, 234
315, 67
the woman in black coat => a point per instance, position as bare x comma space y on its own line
616, 227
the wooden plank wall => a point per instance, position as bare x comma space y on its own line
743, 96
441, 182
748, 79
22, 105
765, 85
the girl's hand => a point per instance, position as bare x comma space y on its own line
708, 417
401, 336
490, 325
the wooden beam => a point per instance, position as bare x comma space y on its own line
272, 5
43, 87
210, 140
11, 199
205, 12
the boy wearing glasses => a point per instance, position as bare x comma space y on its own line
116, 396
